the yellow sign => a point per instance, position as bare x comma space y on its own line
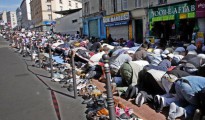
182, 16
130, 31
200, 35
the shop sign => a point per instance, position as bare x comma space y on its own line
49, 22
200, 8
172, 10
182, 16
116, 17
116, 23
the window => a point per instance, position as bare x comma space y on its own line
60, 1
114, 5
138, 3
49, 17
49, 7
69, 3
73, 21
124, 5
76, 5
61, 8
101, 7
49, 1
86, 10
162, 1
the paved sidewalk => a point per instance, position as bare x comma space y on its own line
28, 96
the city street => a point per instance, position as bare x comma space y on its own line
26, 92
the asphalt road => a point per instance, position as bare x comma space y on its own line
26, 92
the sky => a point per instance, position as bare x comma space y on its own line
9, 5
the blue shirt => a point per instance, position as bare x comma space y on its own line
197, 82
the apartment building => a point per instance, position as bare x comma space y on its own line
19, 17
3, 17
11, 19
126, 19
133, 19
42, 11
26, 14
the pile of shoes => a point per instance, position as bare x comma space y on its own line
97, 107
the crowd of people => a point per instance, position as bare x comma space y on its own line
162, 76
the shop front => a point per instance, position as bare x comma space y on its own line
173, 22
118, 25
45, 26
94, 27
200, 13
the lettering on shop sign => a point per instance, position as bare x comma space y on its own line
201, 5
171, 10
116, 17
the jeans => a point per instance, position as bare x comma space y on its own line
185, 94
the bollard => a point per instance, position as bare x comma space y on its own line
31, 49
110, 100
39, 60
73, 73
50, 59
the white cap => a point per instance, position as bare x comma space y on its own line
171, 55
192, 41
192, 52
157, 51
130, 51
165, 52
201, 56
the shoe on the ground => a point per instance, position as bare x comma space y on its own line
140, 99
86, 101
176, 112
128, 91
158, 103
197, 115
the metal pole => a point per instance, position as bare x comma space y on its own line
50, 58
73, 73
31, 49
110, 100
39, 52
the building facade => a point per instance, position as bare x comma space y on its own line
126, 19
93, 12
70, 23
26, 14
42, 11
11, 19
132, 19
200, 14
19, 17
3, 17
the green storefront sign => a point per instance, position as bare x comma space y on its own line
168, 11
172, 12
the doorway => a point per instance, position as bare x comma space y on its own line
138, 31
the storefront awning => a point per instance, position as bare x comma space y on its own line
67, 12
